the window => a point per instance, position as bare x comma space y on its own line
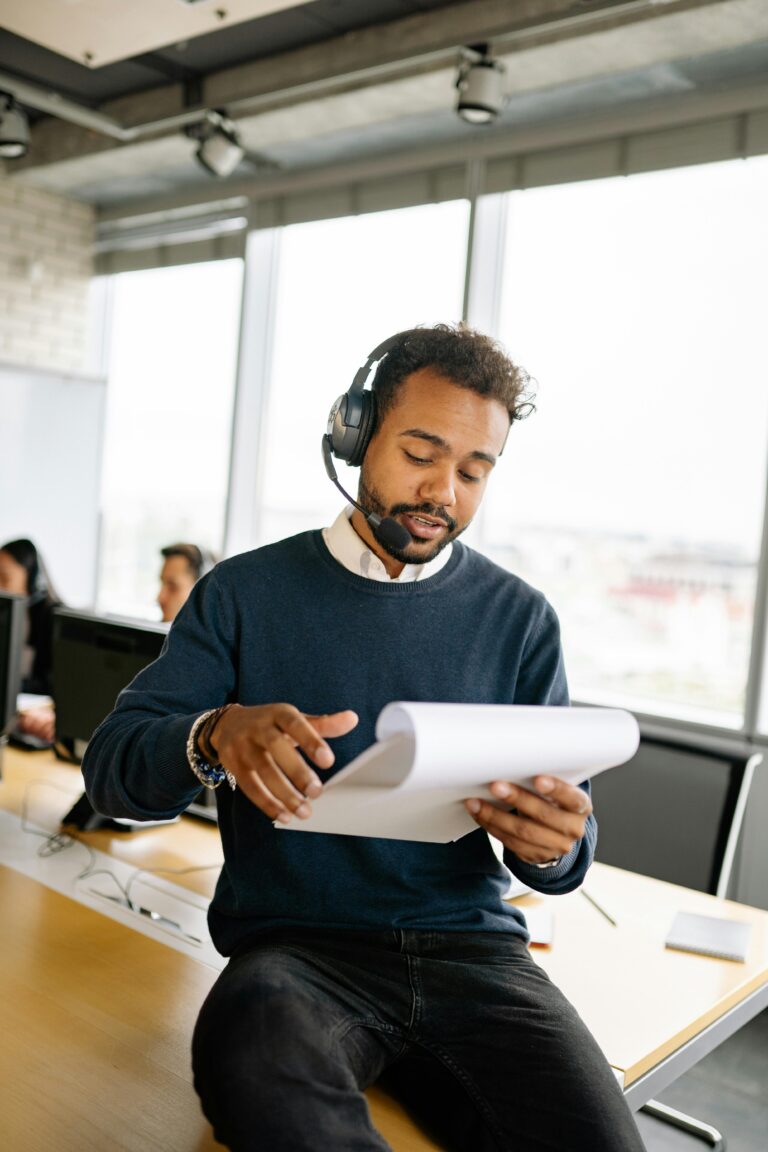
343, 287
633, 496
169, 412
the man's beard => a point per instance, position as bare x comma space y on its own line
372, 502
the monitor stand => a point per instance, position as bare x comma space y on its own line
83, 817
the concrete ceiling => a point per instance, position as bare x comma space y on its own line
99, 32
311, 86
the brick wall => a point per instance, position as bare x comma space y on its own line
46, 264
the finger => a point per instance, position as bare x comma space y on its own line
518, 833
251, 779
541, 809
331, 724
334, 723
292, 723
286, 774
285, 755
291, 801
568, 796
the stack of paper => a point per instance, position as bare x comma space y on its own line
428, 758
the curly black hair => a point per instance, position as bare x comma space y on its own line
463, 355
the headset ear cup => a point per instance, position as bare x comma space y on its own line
365, 431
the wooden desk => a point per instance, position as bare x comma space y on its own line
653, 1011
97, 1024
115, 1009
98, 1019
44, 788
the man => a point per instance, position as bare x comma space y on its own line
183, 565
357, 959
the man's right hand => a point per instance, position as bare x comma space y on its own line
260, 747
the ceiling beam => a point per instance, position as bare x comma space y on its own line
414, 44
669, 112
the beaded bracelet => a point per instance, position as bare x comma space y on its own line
204, 739
209, 775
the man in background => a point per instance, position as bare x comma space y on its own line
183, 565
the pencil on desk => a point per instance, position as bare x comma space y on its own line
599, 908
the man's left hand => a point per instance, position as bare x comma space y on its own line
537, 826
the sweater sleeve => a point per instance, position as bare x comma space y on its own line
136, 764
542, 681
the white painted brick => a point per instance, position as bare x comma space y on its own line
25, 344
46, 264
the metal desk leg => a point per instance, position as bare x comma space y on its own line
688, 1123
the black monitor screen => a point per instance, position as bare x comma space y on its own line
12, 632
94, 658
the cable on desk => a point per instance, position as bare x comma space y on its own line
54, 841
58, 841
170, 872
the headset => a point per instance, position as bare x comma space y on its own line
351, 422
352, 418
200, 560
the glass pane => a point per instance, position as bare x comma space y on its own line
762, 704
633, 496
169, 412
344, 286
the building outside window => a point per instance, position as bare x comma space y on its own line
633, 497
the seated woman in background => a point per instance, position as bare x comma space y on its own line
23, 573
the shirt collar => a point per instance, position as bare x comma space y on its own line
353, 553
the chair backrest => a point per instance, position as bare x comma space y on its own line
675, 812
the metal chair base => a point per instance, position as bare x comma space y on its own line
697, 1128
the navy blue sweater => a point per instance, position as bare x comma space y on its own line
289, 623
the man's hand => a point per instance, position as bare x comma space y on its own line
259, 746
537, 828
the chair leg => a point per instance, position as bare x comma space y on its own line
688, 1123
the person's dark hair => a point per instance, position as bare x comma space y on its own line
39, 585
42, 601
200, 560
468, 358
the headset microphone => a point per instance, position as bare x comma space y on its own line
387, 530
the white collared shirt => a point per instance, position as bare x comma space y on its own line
353, 553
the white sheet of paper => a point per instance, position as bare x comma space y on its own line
428, 758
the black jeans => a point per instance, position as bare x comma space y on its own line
464, 1028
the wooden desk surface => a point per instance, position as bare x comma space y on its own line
96, 1031
97, 1023
97, 1019
640, 1001
46, 788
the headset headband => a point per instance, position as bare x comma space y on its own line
373, 358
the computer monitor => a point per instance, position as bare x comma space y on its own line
94, 657
13, 616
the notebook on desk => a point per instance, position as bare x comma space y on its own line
709, 935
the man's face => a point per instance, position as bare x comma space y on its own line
428, 464
176, 583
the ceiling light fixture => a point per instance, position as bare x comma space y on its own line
14, 128
219, 149
481, 85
